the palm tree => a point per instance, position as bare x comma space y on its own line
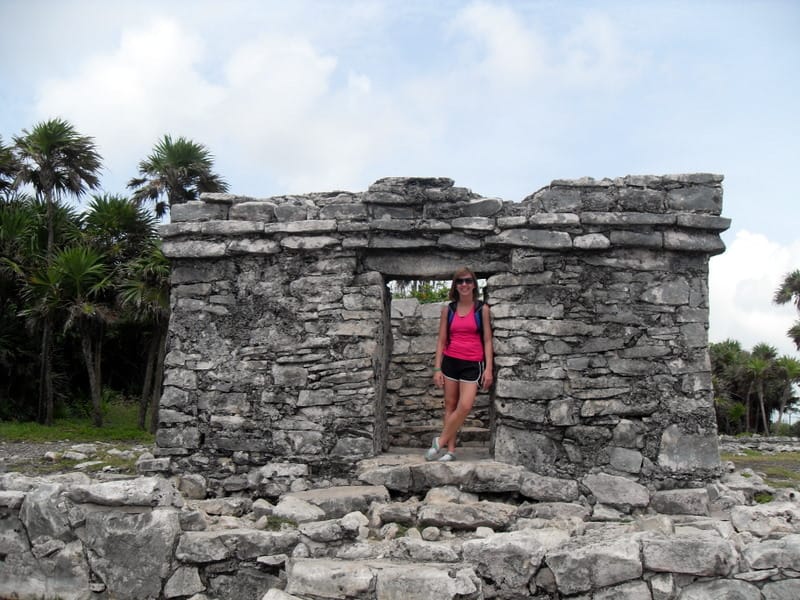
9, 167
789, 291
179, 169
146, 292
118, 227
760, 367
790, 372
74, 283
55, 160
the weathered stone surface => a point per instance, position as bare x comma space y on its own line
244, 544
43, 513
549, 489
782, 553
616, 491
185, 581
765, 520
788, 589
698, 555
338, 501
681, 502
144, 491
467, 516
132, 552
508, 559
580, 567
685, 452
730, 589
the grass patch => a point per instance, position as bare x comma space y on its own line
278, 523
120, 423
780, 470
762, 497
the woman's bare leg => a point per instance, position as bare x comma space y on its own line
453, 422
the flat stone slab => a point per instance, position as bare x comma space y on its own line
338, 501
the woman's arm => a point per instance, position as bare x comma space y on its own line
488, 348
441, 340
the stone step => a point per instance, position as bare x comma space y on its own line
368, 579
420, 436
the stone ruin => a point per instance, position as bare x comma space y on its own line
291, 370
285, 346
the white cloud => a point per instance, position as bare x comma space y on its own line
742, 282
128, 98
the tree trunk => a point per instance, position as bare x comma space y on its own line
763, 409
45, 409
147, 386
157, 378
94, 384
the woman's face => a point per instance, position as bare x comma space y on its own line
464, 284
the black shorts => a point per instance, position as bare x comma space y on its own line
455, 369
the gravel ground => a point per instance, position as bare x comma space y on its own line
29, 457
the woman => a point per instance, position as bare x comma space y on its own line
464, 359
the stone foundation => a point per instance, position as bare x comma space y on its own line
281, 331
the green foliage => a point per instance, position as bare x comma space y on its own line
424, 291
763, 497
120, 424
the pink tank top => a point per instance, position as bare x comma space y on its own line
465, 340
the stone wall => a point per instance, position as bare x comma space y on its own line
281, 339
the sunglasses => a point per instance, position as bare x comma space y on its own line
463, 280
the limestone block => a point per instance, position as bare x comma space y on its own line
288, 213
494, 477
688, 451
730, 589
622, 238
249, 246
508, 559
781, 553
548, 489
788, 589
765, 520
559, 200
529, 390
616, 491
244, 544
408, 548
459, 241
229, 228
132, 552
675, 292
623, 459
424, 583
252, 211
532, 238
681, 502
703, 222
626, 219
534, 450
633, 590
394, 478
467, 516
698, 198
473, 223
587, 564
197, 210
704, 555
142, 491
482, 207
662, 586
554, 510
339, 501
43, 513
11, 500
185, 581
708, 243
246, 582
234, 506
344, 211
593, 241
328, 578
323, 531
193, 249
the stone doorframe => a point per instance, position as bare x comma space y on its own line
600, 312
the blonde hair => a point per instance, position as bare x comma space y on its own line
461, 272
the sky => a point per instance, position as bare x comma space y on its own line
503, 97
